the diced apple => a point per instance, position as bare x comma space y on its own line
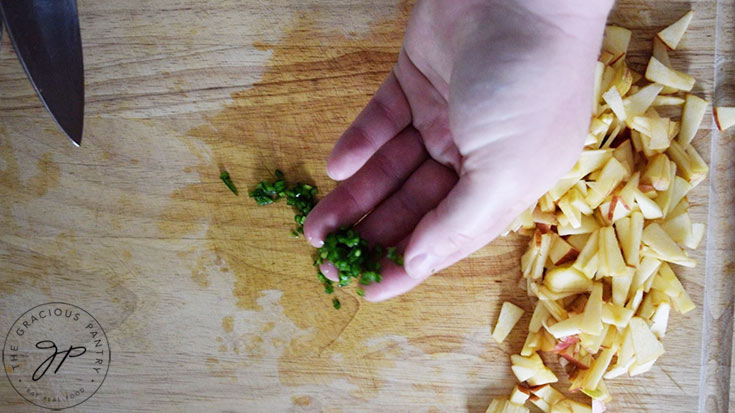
645, 271
587, 260
597, 90
665, 198
548, 394
495, 406
691, 118
626, 356
660, 52
624, 154
543, 377
592, 315
646, 345
590, 161
592, 343
523, 373
546, 203
699, 168
503, 405
554, 308
692, 242
689, 163
616, 315
653, 299
627, 193
522, 366
621, 286
649, 208
659, 241
635, 301
573, 215
636, 232
679, 298
659, 128
576, 359
598, 368
611, 258
616, 40
679, 228
540, 314
671, 35
541, 404
639, 102
660, 320
527, 260
724, 117
622, 229
532, 343
578, 241
569, 327
567, 280
680, 208
615, 101
659, 73
541, 217
674, 128
570, 406
547, 341
519, 396
589, 224
657, 173
662, 100
544, 247
598, 406
638, 369
509, 316
623, 78
563, 185
611, 175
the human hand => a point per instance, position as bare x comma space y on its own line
487, 106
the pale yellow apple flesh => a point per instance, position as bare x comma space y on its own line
597, 267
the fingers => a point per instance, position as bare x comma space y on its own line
395, 282
429, 108
329, 271
495, 188
385, 172
397, 216
384, 117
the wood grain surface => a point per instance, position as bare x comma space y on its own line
208, 303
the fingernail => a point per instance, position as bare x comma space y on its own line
318, 243
421, 266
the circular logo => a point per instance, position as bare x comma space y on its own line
56, 355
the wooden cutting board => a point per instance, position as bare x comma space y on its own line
207, 303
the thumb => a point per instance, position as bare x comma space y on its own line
479, 208
461, 224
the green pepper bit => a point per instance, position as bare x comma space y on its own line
394, 256
337, 305
269, 192
225, 177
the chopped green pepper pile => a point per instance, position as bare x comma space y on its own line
350, 254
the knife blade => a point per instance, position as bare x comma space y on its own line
45, 34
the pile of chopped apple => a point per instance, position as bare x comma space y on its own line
603, 239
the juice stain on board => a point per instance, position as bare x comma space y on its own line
315, 84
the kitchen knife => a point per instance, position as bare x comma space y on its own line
45, 34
